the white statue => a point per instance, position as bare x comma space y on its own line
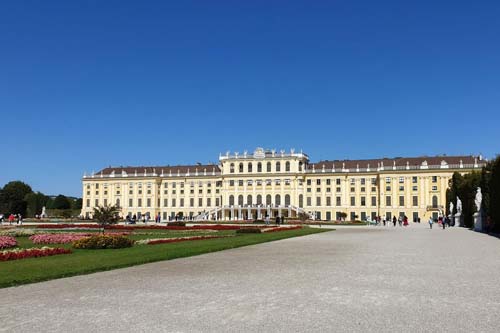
478, 199
44, 214
451, 207
459, 206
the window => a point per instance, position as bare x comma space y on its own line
328, 201
318, 181
388, 180
96, 185
209, 202
300, 166
328, 189
105, 192
401, 188
353, 201
182, 202
414, 188
352, 189
231, 182
338, 201
277, 199
401, 180
374, 181
328, 182
414, 179
363, 189
415, 201
434, 188
388, 200
259, 167
165, 202
308, 201
388, 188
287, 166
240, 167
318, 201
308, 182
401, 200
352, 181
191, 202
88, 202
318, 189
278, 166
374, 201
309, 189
240, 200
363, 181
363, 201
130, 202
139, 203
374, 189
148, 202
301, 200
434, 179
96, 202
165, 192
250, 167
338, 189
200, 202
200, 191
231, 168
268, 199
259, 199
249, 199
88, 192
434, 201
173, 202
240, 182
231, 200
268, 167
337, 181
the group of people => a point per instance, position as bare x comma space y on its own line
278, 220
442, 221
402, 221
13, 218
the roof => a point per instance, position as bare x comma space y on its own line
159, 169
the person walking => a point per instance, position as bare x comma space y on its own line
11, 219
394, 220
431, 221
405, 221
400, 221
278, 220
444, 223
267, 219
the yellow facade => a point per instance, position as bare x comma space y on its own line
251, 186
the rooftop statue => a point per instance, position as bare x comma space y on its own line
459, 206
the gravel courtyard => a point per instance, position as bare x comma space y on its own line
352, 279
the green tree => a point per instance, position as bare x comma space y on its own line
61, 202
494, 200
106, 215
35, 202
77, 203
12, 197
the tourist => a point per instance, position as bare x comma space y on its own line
444, 223
405, 221
277, 220
19, 219
11, 219
431, 221
394, 220
267, 219
384, 221
400, 221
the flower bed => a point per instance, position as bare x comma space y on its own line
7, 241
281, 229
174, 240
57, 238
146, 227
31, 253
103, 242
17, 232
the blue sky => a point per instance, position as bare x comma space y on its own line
88, 84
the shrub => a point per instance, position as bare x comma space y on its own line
103, 242
176, 224
7, 241
249, 231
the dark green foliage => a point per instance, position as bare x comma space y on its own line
35, 202
12, 197
103, 242
494, 196
61, 202
249, 231
106, 215
176, 224
77, 203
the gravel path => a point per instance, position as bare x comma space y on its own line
353, 279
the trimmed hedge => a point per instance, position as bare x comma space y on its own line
103, 242
249, 231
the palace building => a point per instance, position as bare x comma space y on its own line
278, 183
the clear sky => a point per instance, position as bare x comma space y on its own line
88, 84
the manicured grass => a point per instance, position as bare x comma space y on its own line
25, 271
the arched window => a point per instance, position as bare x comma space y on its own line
249, 199
268, 168
287, 199
231, 168
278, 166
300, 166
240, 200
249, 166
118, 202
277, 200
259, 167
259, 199
268, 199
241, 167
231, 200
287, 166
301, 201
434, 201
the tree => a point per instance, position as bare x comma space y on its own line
77, 203
35, 202
12, 197
106, 215
61, 202
494, 199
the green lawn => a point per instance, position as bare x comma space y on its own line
25, 271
